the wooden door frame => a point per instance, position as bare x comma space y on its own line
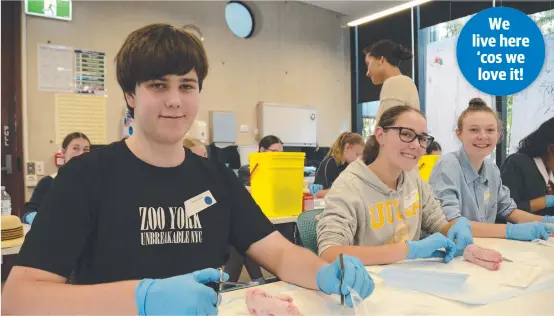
12, 98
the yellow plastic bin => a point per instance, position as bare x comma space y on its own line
276, 181
426, 164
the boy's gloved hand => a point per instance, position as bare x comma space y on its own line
179, 295
355, 277
429, 248
529, 231
460, 234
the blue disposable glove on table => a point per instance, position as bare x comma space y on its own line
460, 234
179, 295
429, 248
548, 219
528, 231
355, 277
550, 201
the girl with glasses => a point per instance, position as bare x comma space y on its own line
466, 184
378, 206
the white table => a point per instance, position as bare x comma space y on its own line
392, 301
283, 219
15, 250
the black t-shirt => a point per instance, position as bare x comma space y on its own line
39, 193
520, 174
110, 216
328, 171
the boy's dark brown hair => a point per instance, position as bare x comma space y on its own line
157, 50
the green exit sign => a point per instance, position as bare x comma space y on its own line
55, 9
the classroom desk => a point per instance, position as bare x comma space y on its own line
391, 301
283, 219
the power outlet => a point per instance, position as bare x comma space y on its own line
244, 128
39, 168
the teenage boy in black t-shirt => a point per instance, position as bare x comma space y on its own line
143, 222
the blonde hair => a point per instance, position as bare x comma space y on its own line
337, 150
478, 105
191, 142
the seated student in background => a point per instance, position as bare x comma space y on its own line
434, 149
383, 59
73, 145
196, 147
346, 148
115, 216
269, 143
378, 206
468, 185
529, 172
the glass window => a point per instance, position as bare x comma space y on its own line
535, 104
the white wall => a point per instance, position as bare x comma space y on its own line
299, 55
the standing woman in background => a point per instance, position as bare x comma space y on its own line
383, 59
529, 172
346, 148
73, 145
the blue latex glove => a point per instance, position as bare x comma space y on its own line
30, 217
548, 219
429, 248
460, 234
179, 295
314, 188
550, 201
528, 231
355, 277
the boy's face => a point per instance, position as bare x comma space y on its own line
165, 108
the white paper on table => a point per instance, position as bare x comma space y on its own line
519, 274
483, 286
549, 242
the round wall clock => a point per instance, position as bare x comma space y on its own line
240, 19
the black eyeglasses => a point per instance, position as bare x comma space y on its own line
408, 135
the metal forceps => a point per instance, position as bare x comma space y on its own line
222, 286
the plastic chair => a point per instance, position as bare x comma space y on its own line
307, 228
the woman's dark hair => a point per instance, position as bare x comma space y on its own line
394, 53
433, 147
73, 136
267, 141
389, 117
537, 143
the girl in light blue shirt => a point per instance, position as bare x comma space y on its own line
468, 185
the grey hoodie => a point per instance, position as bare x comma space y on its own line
360, 210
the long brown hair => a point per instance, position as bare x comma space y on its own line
388, 118
337, 150
478, 105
